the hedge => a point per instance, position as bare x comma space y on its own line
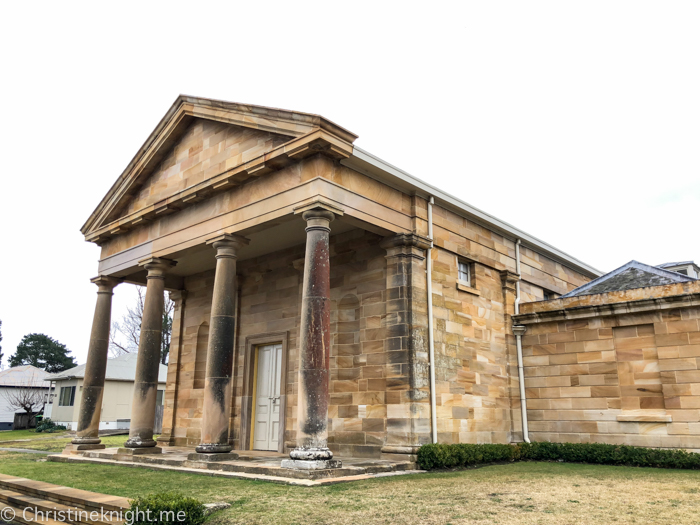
165, 508
441, 456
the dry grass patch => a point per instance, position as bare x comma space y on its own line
519, 493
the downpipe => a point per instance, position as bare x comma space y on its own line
519, 331
431, 338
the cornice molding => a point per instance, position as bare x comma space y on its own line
610, 309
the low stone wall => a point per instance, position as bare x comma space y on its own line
610, 370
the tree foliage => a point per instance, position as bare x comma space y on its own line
43, 352
124, 336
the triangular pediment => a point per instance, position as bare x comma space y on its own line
197, 140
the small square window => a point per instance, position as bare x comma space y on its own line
465, 273
67, 396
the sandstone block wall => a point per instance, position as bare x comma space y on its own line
379, 393
630, 378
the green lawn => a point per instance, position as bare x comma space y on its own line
54, 442
520, 493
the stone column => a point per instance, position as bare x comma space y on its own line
143, 408
312, 450
222, 328
94, 381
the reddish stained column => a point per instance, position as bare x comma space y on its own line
314, 363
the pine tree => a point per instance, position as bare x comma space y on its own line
43, 352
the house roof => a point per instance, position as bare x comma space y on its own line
25, 375
627, 277
122, 368
293, 124
669, 264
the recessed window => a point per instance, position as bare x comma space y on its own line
465, 273
684, 271
67, 396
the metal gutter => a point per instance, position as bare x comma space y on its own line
375, 167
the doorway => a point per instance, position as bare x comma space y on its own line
267, 403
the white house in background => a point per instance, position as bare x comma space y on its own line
16, 379
116, 399
688, 268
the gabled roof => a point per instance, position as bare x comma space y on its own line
26, 375
627, 277
122, 368
670, 264
175, 123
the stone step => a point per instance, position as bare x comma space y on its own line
63, 495
16, 516
35, 509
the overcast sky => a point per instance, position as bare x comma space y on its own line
578, 122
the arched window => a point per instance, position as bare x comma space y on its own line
200, 363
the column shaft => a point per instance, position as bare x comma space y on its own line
314, 359
222, 327
96, 366
143, 409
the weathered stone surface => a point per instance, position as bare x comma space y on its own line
311, 464
617, 367
96, 366
147, 365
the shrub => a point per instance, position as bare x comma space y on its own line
165, 508
464, 455
46, 425
438, 456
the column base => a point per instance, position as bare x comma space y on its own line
137, 442
224, 456
73, 448
86, 441
125, 451
213, 448
311, 464
311, 453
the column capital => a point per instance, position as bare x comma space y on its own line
105, 284
156, 266
318, 219
406, 245
228, 244
178, 296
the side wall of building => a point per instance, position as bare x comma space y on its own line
630, 379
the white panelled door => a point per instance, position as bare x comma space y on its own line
267, 398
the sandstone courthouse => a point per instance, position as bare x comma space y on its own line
305, 321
